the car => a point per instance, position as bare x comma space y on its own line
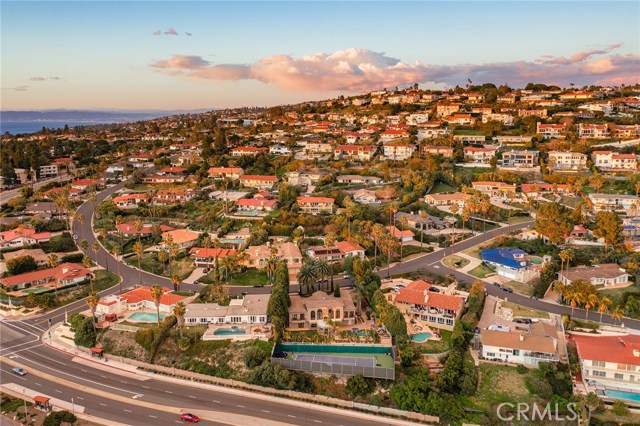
507, 289
497, 284
347, 276
258, 286
476, 330
19, 371
496, 327
522, 320
191, 418
434, 289
398, 287
244, 293
196, 282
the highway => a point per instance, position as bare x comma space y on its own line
12, 193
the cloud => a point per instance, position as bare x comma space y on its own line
170, 31
17, 88
362, 70
38, 78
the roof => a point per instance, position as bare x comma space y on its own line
505, 257
519, 341
348, 246
61, 272
451, 196
321, 299
490, 183
606, 271
255, 202
144, 294
211, 252
398, 233
214, 170
614, 349
259, 177
24, 232
306, 200
181, 235
417, 293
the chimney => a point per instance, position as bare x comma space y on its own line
636, 353
522, 337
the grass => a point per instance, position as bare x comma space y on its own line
617, 294
522, 311
521, 288
435, 346
498, 384
248, 277
455, 262
439, 187
520, 219
481, 271
408, 251
475, 250
149, 262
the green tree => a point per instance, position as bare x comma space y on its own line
85, 334
156, 295
21, 265
609, 227
553, 222
254, 356
359, 385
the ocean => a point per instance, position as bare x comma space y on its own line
19, 127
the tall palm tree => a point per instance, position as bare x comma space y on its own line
176, 281
139, 251
603, 305
137, 225
617, 313
324, 269
564, 256
86, 262
403, 223
52, 261
423, 216
84, 244
103, 235
590, 301
92, 301
81, 219
179, 310
94, 248
307, 277
454, 210
156, 295
115, 250
163, 256
560, 288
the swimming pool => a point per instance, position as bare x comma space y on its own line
145, 317
629, 396
229, 331
421, 337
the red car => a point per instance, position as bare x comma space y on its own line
191, 418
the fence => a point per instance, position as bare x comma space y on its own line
340, 369
123, 327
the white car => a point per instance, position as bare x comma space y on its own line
496, 327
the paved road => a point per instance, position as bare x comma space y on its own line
7, 195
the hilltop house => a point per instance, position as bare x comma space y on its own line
182, 238
62, 275
251, 309
258, 181
355, 152
614, 162
20, 237
206, 257
520, 159
607, 275
436, 309
494, 189
567, 161
398, 151
479, 155
137, 299
312, 311
539, 344
446, 199
233, 173
627, 204
129, 201
593, 131
511, 263
316, 205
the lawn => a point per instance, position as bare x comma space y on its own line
439, 187
435, 346
521, 288
149, 262
522, 311
408, 251
249, 277
481, 271
455, 262
498, 384
475, 250
520, 219
617, 294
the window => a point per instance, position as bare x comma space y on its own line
294, 317
302, 316
596, 373
618, 376
598, 364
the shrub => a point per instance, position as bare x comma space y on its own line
359, 386
85, 335
254, 357
57, 417
620, 408
167, 324
521, 369
144, 337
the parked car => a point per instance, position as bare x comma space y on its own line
244, 293
496, 327
258, 285
191, 418
347, 276
434, 289
497, 284
507, 289
19, 371
476, 330
523, 320
399, 287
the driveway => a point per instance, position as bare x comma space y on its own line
195, 275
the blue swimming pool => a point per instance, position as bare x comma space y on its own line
229, 331
421, 337
145, 317
629, 396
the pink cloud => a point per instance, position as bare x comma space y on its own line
361, 70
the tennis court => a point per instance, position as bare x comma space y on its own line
335, 359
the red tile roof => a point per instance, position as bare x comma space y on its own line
211, 252
60, 273
254, 202
259, 177
416, 293
144, 294
307, 200
615, 349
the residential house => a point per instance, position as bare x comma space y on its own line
63, 275
533, 113
20, 237
506, 119
391, 134
593, 131
618, 203
328, 254
83, 184
316, 205
432, 132
417, 222
461, 119
550, 131
607, 275
129, 230
248, 150
567, 161
251, 309
129, 201
445, 151
614, 162
206, 257
402, 236
479, 155
494, 189
41, 258
539, 344
520, 159
258, 181
166, 197
447, 108
313, 311
537, 189
279, 150
446, 199
227, 195
256, 205
398, 151
349, 248
365, 196
172, 170
470, 139
625, 131
305, 178
182, 238
50, 170
359, 180
609, 361
257, 256
355, 152
233, 173
436, 309
513, 139
511, 263
156, 179
137, 299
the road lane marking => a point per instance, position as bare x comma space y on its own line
153, 417
194, 397
104, 405
265, 411
146, 387
240, 406
168, 391
128, 411
38, 384
318, 421
292, 416
217, 402
57, 390
80, 398
122, 381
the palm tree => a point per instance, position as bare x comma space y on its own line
177, 282
94, 248
93, 301
137, 225
617, 313
603, 305
324, 269
156, 295
575, 298
179, 310
81, 219
560, 288
307, 276
139, 250
423, 216
590, 301
403, 223
52, 261
86, 262
454, 210
163, 256
84, 244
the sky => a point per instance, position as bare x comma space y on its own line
208, 54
